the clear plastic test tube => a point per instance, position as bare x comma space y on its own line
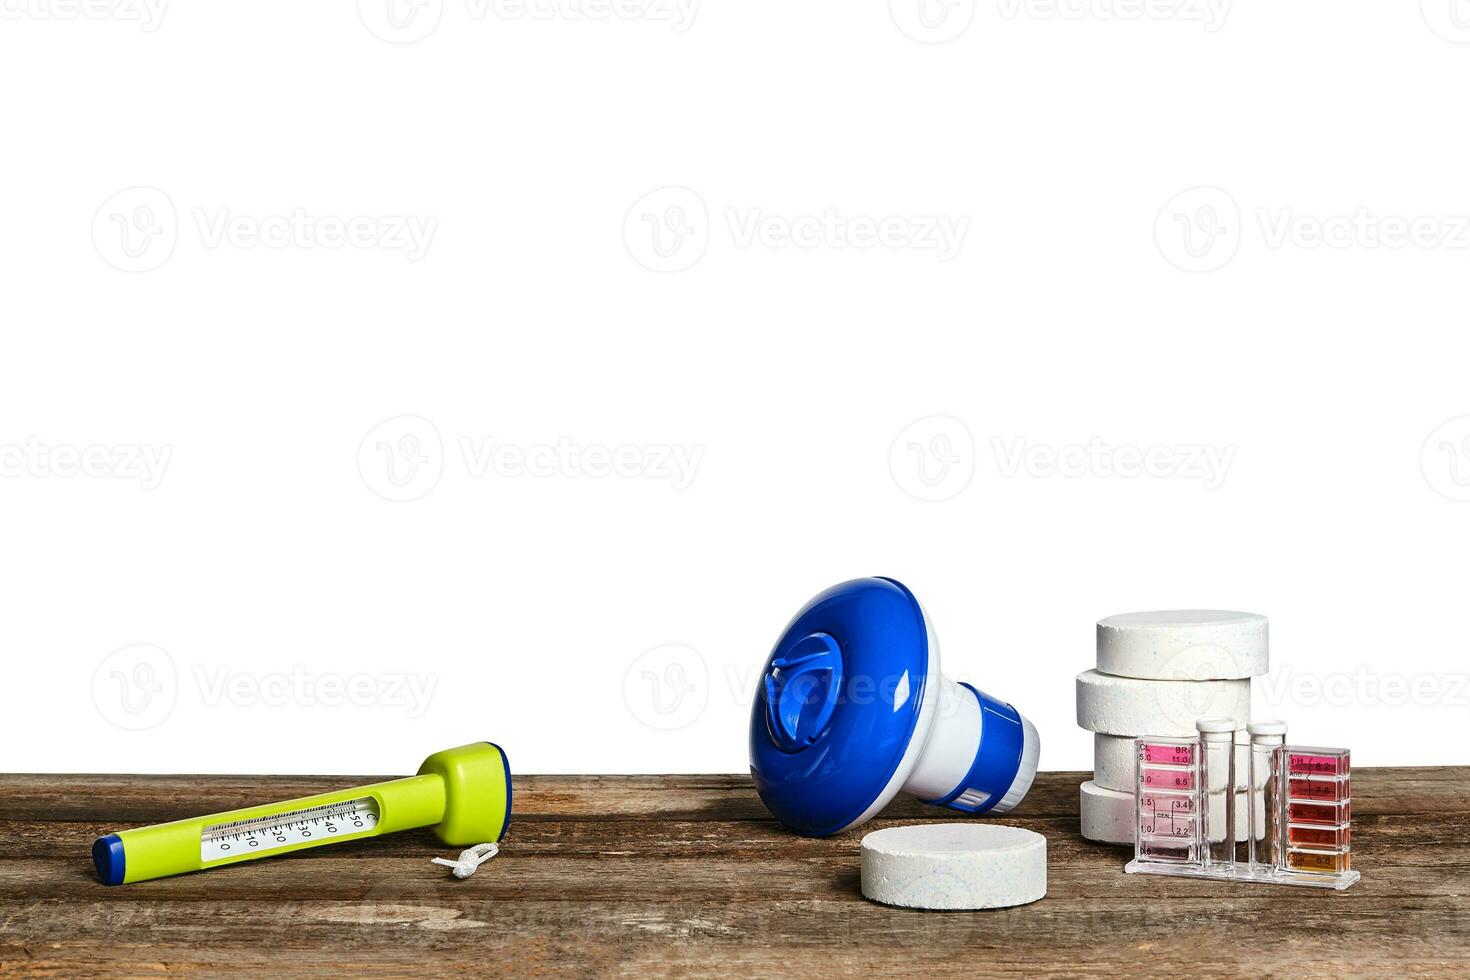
1217, 747
1265, 795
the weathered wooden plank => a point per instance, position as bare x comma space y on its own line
1066, 932
631, 875
1375, 834
641, 959
553, 878
122, 801
412, 916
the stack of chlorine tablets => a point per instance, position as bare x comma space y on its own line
1157, 674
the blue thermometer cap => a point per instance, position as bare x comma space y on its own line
838, 701
111, 862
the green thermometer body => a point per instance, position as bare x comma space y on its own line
463, 793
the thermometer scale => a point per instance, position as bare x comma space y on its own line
317, 824
463, 793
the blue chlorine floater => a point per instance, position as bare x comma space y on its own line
852, 708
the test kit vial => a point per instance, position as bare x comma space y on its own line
1300, 809
1217, 788
1265, 830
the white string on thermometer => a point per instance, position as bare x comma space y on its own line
469, 859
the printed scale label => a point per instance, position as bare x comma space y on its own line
350, 818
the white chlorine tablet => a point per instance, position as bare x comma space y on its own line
1183, 644
1108, 816
954, 866
1127, 706
1114, 761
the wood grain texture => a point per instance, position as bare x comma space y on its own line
635, 875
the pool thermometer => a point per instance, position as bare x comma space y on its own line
463, 793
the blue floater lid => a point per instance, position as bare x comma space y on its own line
837, 704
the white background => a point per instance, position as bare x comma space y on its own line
266, 600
